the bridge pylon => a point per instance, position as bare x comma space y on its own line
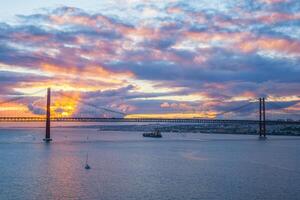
262, 118
47, 137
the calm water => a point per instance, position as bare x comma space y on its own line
128, 166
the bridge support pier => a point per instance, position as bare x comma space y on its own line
47, 137
262, 118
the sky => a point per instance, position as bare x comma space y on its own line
151, 58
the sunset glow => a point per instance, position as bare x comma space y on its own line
173, 59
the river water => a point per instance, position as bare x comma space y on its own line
124, 165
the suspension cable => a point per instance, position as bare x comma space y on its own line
20, 97
234, 109
282, 108
93, 105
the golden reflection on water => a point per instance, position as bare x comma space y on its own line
63, 171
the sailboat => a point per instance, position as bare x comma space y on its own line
86, 162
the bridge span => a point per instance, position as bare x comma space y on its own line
145, 120
261, 122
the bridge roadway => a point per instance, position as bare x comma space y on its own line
154, 120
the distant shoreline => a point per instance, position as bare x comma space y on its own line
291, 130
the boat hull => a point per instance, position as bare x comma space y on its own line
151, 135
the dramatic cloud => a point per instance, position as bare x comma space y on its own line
193, 59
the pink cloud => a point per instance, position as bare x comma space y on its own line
174, 10
274, 17
273, 44
273, 1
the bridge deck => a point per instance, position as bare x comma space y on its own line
154, 120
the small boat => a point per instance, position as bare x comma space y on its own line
86, 162
87, 166
155, 134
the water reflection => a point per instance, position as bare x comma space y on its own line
128, 166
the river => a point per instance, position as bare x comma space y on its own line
124, 165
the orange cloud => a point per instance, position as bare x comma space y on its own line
63, 106
15, 109
139, 32
273, 44
244, 96
63, 84
96, 73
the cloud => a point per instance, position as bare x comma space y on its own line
36, 110
274, 1
173, 57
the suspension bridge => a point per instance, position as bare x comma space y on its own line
261, 120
